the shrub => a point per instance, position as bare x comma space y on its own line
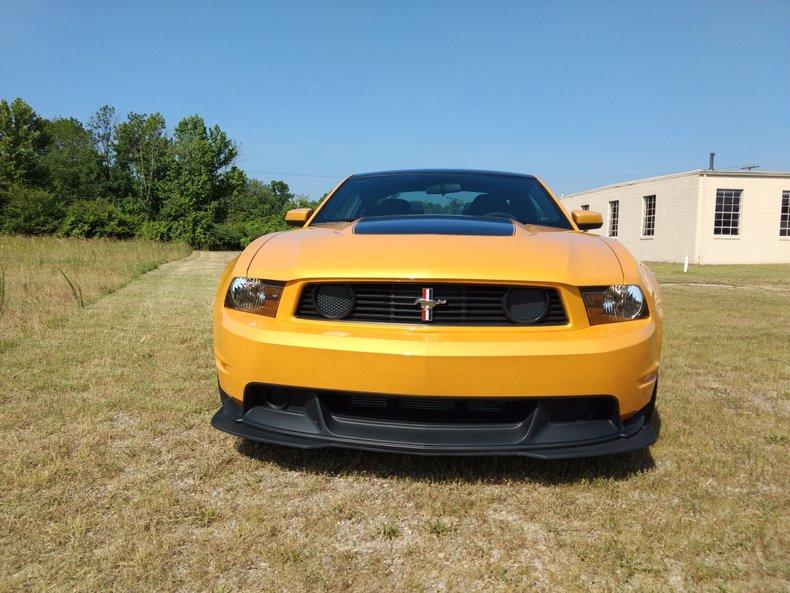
30, 211
197, 229
240, 229
97, 218
229, 235
154, 230
134, 207
205, 228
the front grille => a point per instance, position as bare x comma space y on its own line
447, 410
467, 304
426, 409
429, 409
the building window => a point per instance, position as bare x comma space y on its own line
614, 217
649, 217
728, 212
784, 218
585, 206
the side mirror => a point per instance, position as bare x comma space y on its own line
587, 219
297, 216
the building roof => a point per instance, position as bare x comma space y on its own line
701, 172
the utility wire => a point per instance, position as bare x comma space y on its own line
281, 174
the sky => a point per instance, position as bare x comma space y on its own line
579, 93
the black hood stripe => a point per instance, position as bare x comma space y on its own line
435, 225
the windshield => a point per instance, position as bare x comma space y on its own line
521, 198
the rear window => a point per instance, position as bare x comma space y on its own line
462, 194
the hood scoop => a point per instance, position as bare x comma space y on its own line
434, 224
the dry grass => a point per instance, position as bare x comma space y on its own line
112, 479
45, 278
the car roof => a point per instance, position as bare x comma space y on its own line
440, 172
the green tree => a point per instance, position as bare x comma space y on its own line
202, 170
73, 166
102, 128
259, 209
31, 211
104, 178
261, 200
22, 140
97, 218
143, 149
117, 180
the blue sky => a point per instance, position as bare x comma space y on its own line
581, 94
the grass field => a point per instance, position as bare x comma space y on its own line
45, 278
112, 479
769, 275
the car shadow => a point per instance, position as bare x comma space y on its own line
656, 421
488, 470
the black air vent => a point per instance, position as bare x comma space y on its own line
429, 409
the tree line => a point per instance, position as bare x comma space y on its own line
131, 178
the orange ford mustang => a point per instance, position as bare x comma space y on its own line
439, 312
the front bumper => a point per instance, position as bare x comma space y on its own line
620, 359
314, 424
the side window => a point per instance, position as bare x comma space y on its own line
727, 216
350, 208
539, 211
784, 215
614, 217
648, 216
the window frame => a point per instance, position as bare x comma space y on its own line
534, 189
613, 228
652, 217
784, 215
736, 195
584, 207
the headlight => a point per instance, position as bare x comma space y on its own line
608, 304
254, 296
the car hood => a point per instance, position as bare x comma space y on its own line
524, 253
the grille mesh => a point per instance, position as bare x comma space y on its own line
333, 300
467, 304
526, 305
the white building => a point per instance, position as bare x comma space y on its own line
713, 217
